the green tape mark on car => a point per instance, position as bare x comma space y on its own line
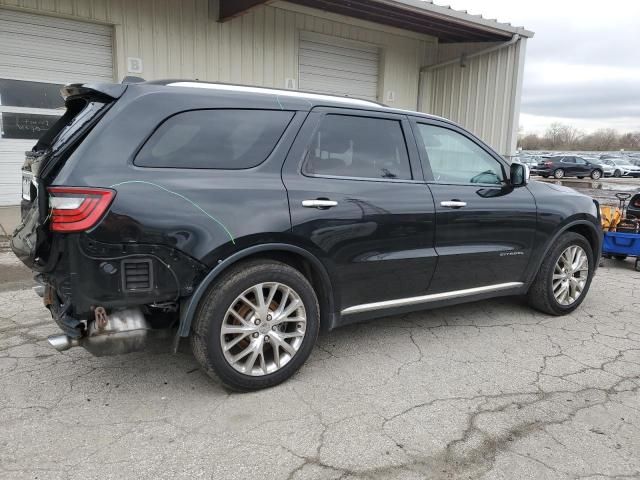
194, 204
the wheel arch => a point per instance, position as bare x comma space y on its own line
303, 260
584, 228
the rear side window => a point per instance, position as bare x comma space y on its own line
358, 147
218, 139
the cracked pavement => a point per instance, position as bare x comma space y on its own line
489, 390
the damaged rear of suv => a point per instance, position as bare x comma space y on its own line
83, 277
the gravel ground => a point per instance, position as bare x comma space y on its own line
489, 390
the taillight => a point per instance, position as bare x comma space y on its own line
548, 164
76, 209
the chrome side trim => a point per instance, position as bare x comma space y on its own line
403, 302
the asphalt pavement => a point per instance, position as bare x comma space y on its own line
489, 390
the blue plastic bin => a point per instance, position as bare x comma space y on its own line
621, 244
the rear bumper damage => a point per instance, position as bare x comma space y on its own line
124, 331
112, 299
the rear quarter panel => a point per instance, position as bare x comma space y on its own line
207, 214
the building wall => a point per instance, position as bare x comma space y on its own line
178, 39
484, 96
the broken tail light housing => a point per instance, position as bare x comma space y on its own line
77, 209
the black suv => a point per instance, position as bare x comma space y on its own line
248, 219
568, 166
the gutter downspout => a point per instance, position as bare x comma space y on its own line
463, 58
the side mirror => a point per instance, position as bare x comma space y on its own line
520, 174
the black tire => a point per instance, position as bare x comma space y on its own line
620, 258
540, 293
617, 174
638, 265
558, 173
596, 175
205, 334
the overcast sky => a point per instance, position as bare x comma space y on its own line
583, 65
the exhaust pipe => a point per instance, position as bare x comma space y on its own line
122, 332
62, 342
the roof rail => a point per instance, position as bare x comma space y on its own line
129, 79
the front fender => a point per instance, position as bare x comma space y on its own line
596, 238
188, 306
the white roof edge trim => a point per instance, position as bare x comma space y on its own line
279, 93
462, 16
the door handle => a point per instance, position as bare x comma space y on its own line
453, 204
320, 203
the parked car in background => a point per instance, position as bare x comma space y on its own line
622, 167
607, 170
635, 160
568, 166
251, 218
529, 160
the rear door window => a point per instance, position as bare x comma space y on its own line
216, 139
358, 147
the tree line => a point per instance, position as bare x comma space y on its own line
565, 137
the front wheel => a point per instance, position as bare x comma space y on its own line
256, 326
596, 175
617, 174
559, 173
564, 277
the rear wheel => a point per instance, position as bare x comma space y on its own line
564, 277
257, 325
596, 175
559, 173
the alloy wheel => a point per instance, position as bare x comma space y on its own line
570, 275
559, 173
263, 329
595, 175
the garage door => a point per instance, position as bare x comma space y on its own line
337, 66
39, 54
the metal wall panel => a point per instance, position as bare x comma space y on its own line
11, 160
48, 49
178, 39
329, 64
483, 96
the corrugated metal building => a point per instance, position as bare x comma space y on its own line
408, 54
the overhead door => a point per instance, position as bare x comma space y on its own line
38, 55
337, 66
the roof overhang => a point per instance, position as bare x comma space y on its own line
448, 25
